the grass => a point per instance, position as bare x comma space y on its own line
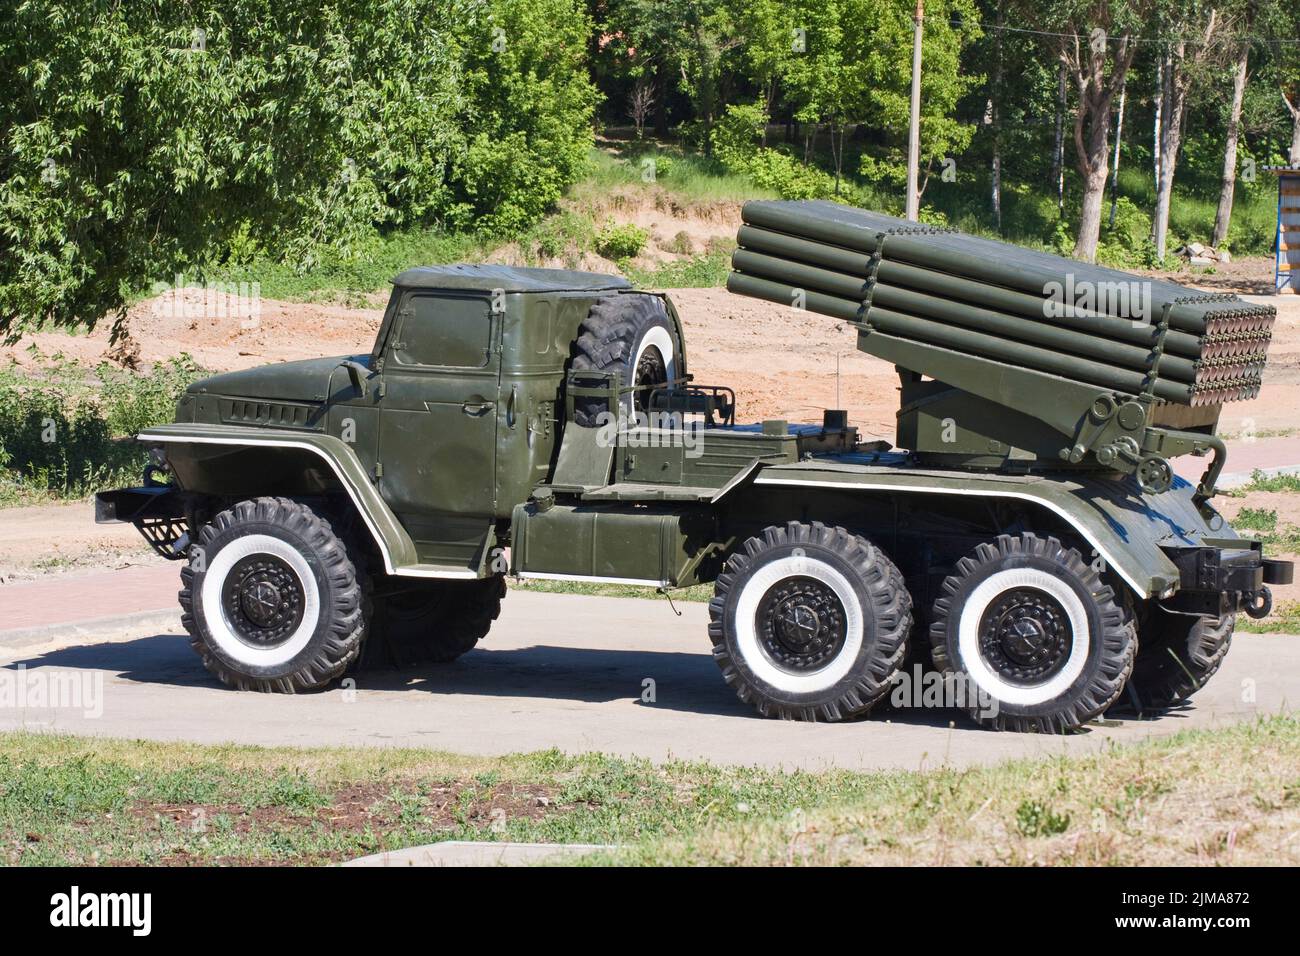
1285, 619
1259, 481
698, 272
1229, 795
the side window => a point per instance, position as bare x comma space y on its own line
444, 331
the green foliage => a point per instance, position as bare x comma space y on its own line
1035, 818
65, 429
565, 234
144, 139
737, 135
1256, 519
621, 241
706, 271
1126, 244
1261, 481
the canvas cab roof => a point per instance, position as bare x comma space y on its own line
485, 278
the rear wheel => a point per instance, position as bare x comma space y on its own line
633, 335
434, 622
1178, 655
1039, 642
271, 599
809, 623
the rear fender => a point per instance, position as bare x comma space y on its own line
1129, 530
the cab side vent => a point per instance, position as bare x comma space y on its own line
238, 411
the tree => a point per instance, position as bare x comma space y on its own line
951, 27
1095, 40
640, 102
1182, 63
1228, 183
1283, 28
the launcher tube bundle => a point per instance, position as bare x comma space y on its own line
1012, 324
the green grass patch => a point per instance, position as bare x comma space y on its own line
1285, 619
1259, 481
698, 272
67, 800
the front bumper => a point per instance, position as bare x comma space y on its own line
159, 512
1223, 577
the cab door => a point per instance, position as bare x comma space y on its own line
437, 434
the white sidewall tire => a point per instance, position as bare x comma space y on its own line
213, 611
990, 681
750, 649
662, 339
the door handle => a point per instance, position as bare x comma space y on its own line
475, 408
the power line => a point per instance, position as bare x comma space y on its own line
1270, 41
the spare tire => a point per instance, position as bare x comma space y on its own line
631, 334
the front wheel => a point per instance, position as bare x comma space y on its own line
810, 622
1034, 638
271, 599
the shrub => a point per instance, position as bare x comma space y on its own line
735, 137
65, 429
621, 241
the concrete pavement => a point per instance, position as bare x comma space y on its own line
618, 675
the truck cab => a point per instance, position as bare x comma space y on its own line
451, 417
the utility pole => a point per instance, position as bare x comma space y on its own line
914, 133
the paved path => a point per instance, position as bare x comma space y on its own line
569, 672
77, 598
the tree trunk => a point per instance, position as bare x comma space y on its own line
995, 116
1119, 139
1058, 149
1178, 78
1294, 156
661, 102
1228, 185
1156, 132
1171, 139
1094, 192
1092, 131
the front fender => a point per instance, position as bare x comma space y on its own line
224, 460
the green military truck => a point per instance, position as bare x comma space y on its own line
1028, 540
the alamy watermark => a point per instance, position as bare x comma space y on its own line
210, 300
653, 429
1121, 300
923, 689
56, 688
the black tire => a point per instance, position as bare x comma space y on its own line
820, 668
632, 334
434, 622
1047, 645
271, 598
1178, 655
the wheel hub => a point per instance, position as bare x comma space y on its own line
1025, 635
263, 600
801, 623
650, 371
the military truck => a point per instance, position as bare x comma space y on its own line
1028, 539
